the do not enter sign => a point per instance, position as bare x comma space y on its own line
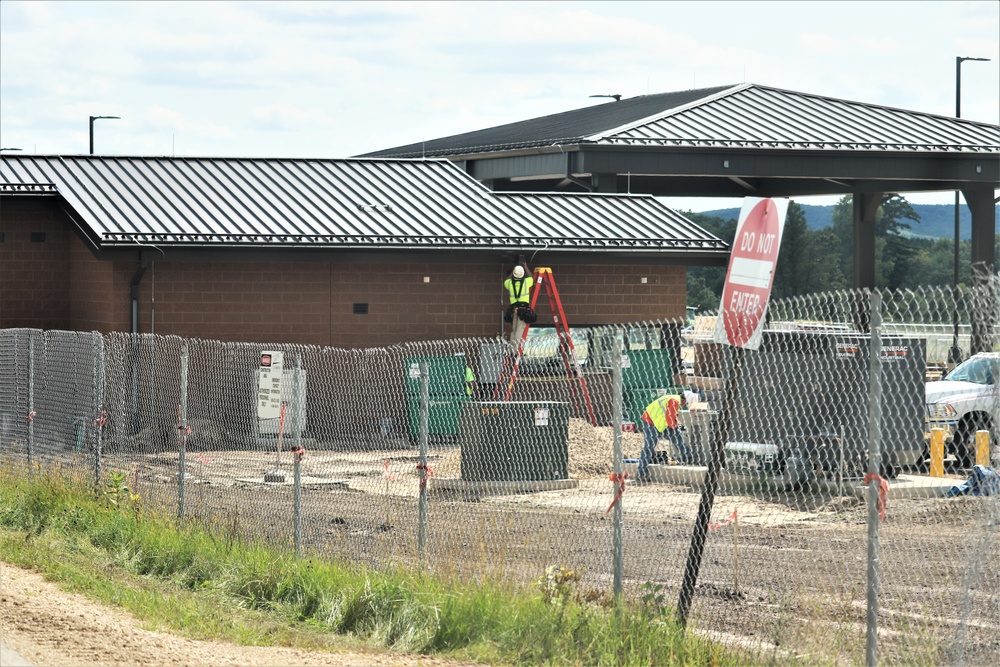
751, 272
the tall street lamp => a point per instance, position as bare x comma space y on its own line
955, 353
92, 119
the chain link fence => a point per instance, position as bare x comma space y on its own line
768, 524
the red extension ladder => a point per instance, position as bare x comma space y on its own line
512, 363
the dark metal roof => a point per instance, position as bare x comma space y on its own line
568, 127
744, 116
345, 203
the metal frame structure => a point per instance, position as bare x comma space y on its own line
743, 140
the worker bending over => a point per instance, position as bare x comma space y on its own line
519, 312
660, 418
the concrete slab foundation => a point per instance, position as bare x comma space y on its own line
903, 486
497, 488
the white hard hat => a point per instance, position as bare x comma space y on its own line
518, 271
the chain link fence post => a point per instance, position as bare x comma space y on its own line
297, 414
618, 464
182, 436
873, 477
422, 466
98, 388
31, 398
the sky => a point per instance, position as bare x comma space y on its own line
338, 79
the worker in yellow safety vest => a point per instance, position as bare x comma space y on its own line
519, 312
470, 381
660, 418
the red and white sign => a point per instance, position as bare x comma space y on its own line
751, 272
269, 385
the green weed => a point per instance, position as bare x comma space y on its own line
185, 578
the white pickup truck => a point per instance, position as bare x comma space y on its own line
965, 401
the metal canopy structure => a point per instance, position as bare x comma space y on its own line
369, 205
743, 140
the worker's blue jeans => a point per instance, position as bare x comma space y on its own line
650, 435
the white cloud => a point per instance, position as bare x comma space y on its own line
820, 43
339, 78
20, 16
289, 117
161, 118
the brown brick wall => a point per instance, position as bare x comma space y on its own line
616, 294
34, 282
97, 302
238, 301
461, 300
466, 300
61, 284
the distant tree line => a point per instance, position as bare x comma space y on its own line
821, 260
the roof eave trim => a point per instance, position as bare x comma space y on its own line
801, 145
273, 242
47, 189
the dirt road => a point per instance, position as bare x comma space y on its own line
49, 627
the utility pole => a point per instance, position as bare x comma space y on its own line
955, 353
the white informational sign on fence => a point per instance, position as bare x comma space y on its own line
751, 272
269, 385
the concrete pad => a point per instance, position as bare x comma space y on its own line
904, 486
497, 488
290, 481
913, 486
690, 475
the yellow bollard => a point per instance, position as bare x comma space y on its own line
937, 452
982, 448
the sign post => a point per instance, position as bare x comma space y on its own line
741, 320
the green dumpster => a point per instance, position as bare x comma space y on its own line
447, 375
446, 393
442, 414
647, 375
648, 368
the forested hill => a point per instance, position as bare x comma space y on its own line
936, 220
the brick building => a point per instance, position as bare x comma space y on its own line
347, 253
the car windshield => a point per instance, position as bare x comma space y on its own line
980, 370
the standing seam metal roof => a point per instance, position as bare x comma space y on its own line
742, 116
758, 116
348, 203
567, 127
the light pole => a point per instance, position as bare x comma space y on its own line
92, 119
955, 353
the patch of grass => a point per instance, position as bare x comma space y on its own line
104, 544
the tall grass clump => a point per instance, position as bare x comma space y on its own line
554, 622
